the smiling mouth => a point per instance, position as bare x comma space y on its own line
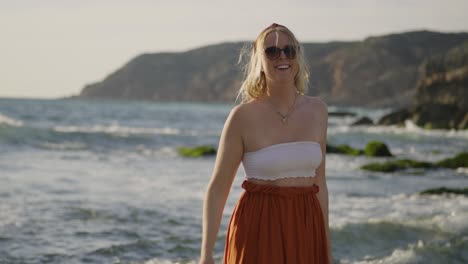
283, 67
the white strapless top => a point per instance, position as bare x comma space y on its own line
283, 160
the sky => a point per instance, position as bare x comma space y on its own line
53, 48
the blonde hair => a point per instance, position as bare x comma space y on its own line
254, 84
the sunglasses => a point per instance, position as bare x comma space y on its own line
274, 53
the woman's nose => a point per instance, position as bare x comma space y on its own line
282, 55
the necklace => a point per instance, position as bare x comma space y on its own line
284, 118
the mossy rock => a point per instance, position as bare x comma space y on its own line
377, 149
331, 149
198, 151
344, 149
382, 167
348, 150
459, 160
391, 166
443, 190
408, 163
428, 126
363, 121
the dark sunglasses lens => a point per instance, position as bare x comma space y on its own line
272, 52
290, 52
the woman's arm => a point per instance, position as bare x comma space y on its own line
228, 158
321, 177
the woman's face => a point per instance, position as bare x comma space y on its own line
281, 69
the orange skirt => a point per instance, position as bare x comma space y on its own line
273, 224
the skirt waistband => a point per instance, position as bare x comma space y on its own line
281, 190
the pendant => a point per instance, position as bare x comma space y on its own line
284, 119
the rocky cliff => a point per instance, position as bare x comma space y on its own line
378, 71
441, 98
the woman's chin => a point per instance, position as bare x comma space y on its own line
284, 79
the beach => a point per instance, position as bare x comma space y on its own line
102, 182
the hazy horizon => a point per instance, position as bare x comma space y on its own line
54, 48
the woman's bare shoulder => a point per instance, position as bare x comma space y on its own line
317, 104
245, 109
241, 112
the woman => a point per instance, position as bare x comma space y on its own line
279, 134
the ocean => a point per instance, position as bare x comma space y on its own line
101, 182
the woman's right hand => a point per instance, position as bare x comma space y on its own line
206, 260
